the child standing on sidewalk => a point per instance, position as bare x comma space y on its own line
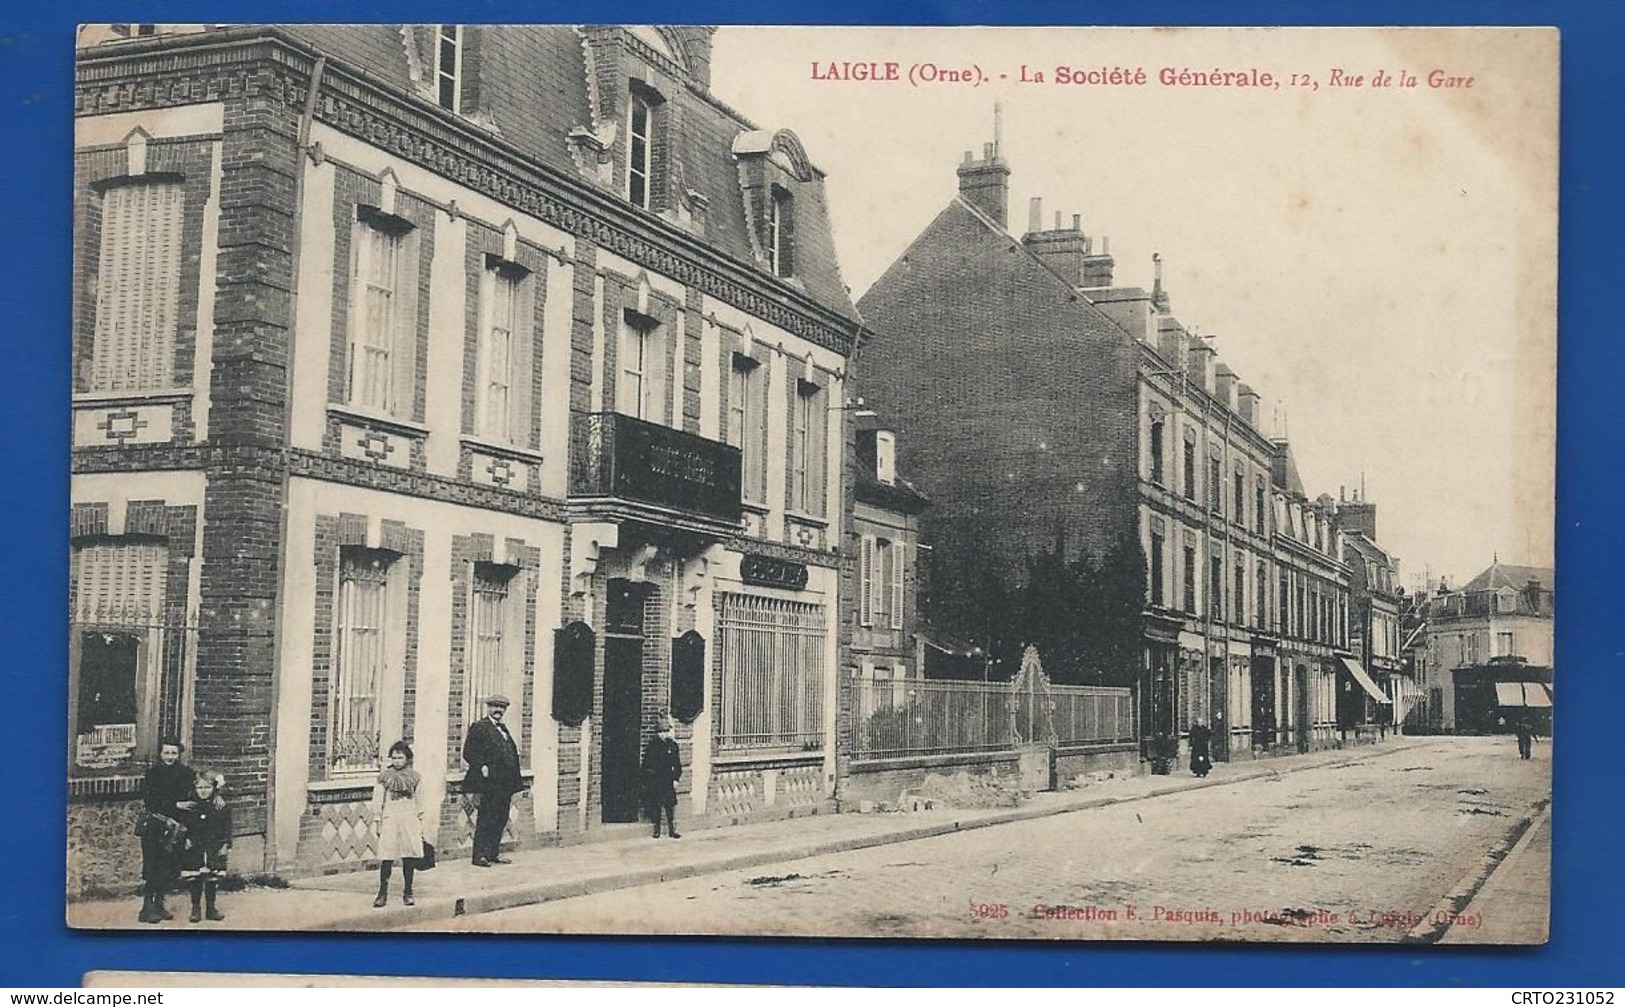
397, 821
207, 844
662, 768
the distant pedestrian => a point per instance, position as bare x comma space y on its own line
662, 768
207, 844
166, 791
1526, 737
1201, 749
493, 773
397, 821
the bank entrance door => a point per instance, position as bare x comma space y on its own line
623, 699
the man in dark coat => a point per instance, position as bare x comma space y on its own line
662, 768
1526, 736
493, 773
1201, 749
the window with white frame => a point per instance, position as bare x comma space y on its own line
640, 120
492, 638
138, 275
505, 354
640, 390
772, 684
780, 231
448, 68
747, 423
807, 428
884, 584
383, 316
366, 673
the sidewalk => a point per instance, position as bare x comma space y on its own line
456, 888
1514, 906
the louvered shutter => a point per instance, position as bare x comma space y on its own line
138, 287
866, 573
521, 426
897, 585
404, 333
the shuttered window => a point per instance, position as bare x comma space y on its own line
120, 582
506, 351
808, 421
383, 316
747, 423
138, 288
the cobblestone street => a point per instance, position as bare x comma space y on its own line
1361, 852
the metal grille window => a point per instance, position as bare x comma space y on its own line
138, 288
379, 256
488, 654
129, 654
361, 671
772, 693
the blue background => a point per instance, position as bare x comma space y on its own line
37, 949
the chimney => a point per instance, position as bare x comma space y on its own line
1199, 365
1531, 595
1360, 516
1247, 405
886, 456
1097, 268
1224, 385
1066, 250
1172, 342
985, 184
697, 47
1159, 297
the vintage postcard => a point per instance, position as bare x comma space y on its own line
814, 481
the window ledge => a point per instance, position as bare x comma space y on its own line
395, 424
499, 448
761, 509
734, 759
127, 397
804, 518
342, 783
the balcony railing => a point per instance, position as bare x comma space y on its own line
623, 459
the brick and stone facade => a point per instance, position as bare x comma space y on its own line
435, 386
1043, 406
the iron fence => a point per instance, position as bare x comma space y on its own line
902, 717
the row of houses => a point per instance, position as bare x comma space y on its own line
417, 363
1045, 407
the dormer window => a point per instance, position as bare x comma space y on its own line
448, 66
640, 163
781, 229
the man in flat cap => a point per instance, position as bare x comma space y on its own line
493, 773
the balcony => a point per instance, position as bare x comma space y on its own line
626, 468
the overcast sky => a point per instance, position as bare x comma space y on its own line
1378, 262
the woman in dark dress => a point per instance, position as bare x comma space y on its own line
167, 791
1201, 749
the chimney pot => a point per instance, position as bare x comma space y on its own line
987, 152
969, 157
1035, 214
1105, 245
1057, 220
1077, 222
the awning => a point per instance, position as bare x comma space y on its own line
1364, 679
1528, 694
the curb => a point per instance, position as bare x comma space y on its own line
486, 902
1441, 917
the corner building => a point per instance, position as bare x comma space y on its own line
416, 363
1036, 398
